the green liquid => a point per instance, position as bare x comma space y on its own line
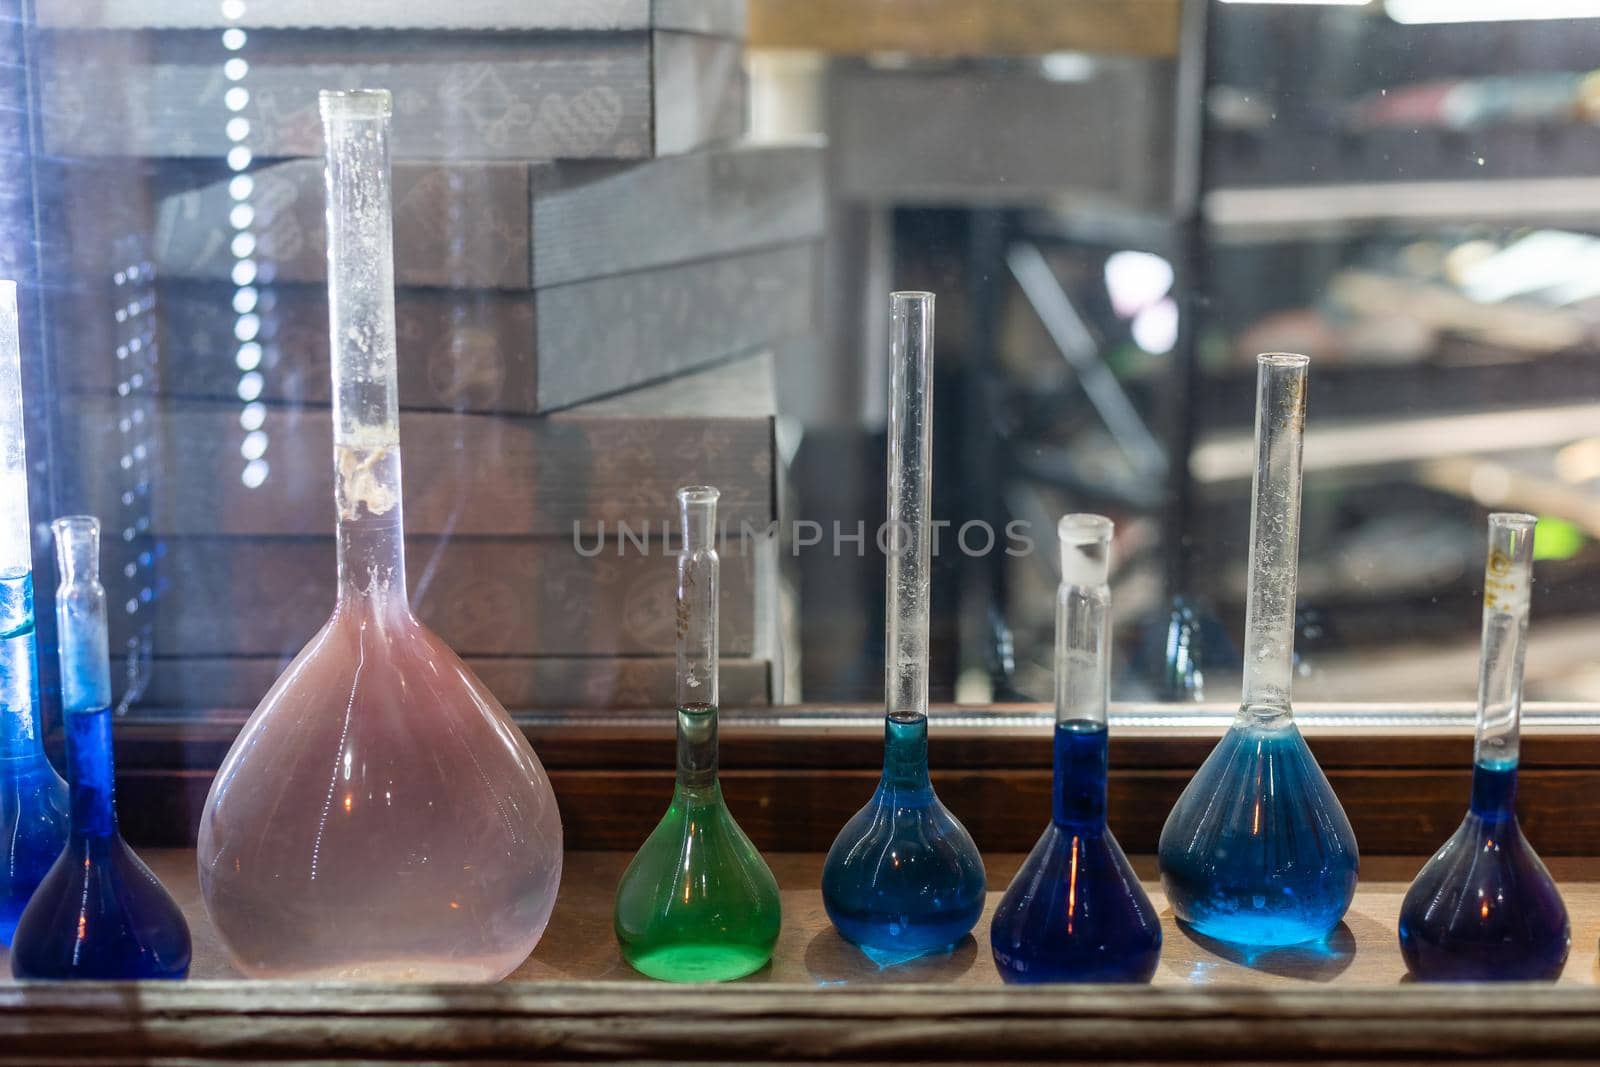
698, 903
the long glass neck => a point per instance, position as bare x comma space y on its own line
699, 576
81, 631
1507, 584
1274, 534
1083, 612
366, 423
910, 476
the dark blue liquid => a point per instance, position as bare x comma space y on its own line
99, 912
1484, 908
1075, 911
1257, 850
33, 798
903, 878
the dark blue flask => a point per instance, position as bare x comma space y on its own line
1484, 909
1076, 912
99, 913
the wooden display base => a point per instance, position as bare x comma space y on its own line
575, 999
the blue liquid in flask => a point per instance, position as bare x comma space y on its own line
1075, 911
1484, 908
903, 878
33, 798
1258, 850
99, 913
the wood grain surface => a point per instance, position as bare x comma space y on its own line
967, 27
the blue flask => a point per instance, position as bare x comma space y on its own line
99, 913
1076, 912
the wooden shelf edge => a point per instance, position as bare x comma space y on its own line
237, 1021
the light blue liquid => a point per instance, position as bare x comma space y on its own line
1257, 850
33, 798
903, 878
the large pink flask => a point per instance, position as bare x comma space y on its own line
379, 817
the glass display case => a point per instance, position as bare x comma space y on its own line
643, 254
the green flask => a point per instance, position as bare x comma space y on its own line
698, 903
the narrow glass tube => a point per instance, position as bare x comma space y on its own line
698, 589
1507, 584
903, 877
1083, 669
910, 474
33, 798
99, 913
1083, 604
1274, 533
366, 419
1484, 908
85, 674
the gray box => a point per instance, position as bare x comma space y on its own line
499, 351
476, 475
625, 95
514, 225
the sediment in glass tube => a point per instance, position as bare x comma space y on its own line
903, 877
33, 798
1258, 850
100, 913
1484, 908
697, 903
1076, 912
379, 816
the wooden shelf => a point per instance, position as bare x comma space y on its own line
575, 999
967, 27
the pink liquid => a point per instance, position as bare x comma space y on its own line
380, 817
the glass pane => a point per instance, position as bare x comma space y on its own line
644, 245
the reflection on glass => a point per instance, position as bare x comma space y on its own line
33, 798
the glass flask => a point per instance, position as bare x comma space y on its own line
1257, 850
379, 816
698, 903
33, 798
1484, 908
1076, 912
903, 877
100, 912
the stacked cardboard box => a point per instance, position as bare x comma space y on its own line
592, 277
